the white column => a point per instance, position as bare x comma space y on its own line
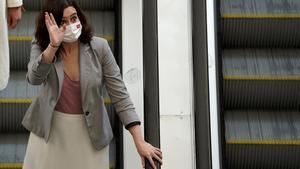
212, 83
176, 84
132, 71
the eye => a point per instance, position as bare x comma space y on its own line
74, 19
62, 22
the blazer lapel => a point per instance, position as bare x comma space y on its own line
60, 73
84, 71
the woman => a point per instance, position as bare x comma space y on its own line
68, 121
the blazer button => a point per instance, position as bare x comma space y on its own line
87, 113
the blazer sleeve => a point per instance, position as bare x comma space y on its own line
14, 3
117, 89
37, 69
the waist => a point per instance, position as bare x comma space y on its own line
58, 114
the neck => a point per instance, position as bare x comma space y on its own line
69, 47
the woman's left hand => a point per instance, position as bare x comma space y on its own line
146, 150
149, 152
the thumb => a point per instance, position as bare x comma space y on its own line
9, 21
63, 28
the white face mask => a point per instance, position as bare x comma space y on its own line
72, 32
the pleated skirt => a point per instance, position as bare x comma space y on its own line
69, 146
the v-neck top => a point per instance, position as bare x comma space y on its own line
70, 98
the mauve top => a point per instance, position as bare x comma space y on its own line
70, 98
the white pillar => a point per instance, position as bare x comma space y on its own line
132, 48
212, 83
176, 84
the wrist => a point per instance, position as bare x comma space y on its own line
139, 141
52, 49
54, 45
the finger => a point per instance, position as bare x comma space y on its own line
47, 23
158, 158
23, 9
157, 149
52, 19
63, 28
9, 21
13, 23
151, 162
48, 18
159, 154
143, 162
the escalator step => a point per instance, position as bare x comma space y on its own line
260, 23
84, 4
260, 7
13, 147
260, 32
262, 127
261, 78
253, 156
262, 139
261, 94
11, 165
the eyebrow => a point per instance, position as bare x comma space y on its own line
75, 13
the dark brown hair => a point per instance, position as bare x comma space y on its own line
56, 7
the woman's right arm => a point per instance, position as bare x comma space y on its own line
40, 63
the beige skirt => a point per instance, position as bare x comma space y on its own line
69, 147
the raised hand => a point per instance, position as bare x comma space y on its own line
56, 34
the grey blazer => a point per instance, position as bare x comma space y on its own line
97, 67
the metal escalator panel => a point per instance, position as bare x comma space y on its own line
261, 78
251, 32
12, 149
262, 139
261, 62
84, 4
259, 7
278, 127
14, 101
261, 94
260, 23
18, 87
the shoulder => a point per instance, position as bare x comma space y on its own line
98, 42
99, 45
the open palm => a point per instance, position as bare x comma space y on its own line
56, 34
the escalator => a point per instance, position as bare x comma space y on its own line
261, 83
